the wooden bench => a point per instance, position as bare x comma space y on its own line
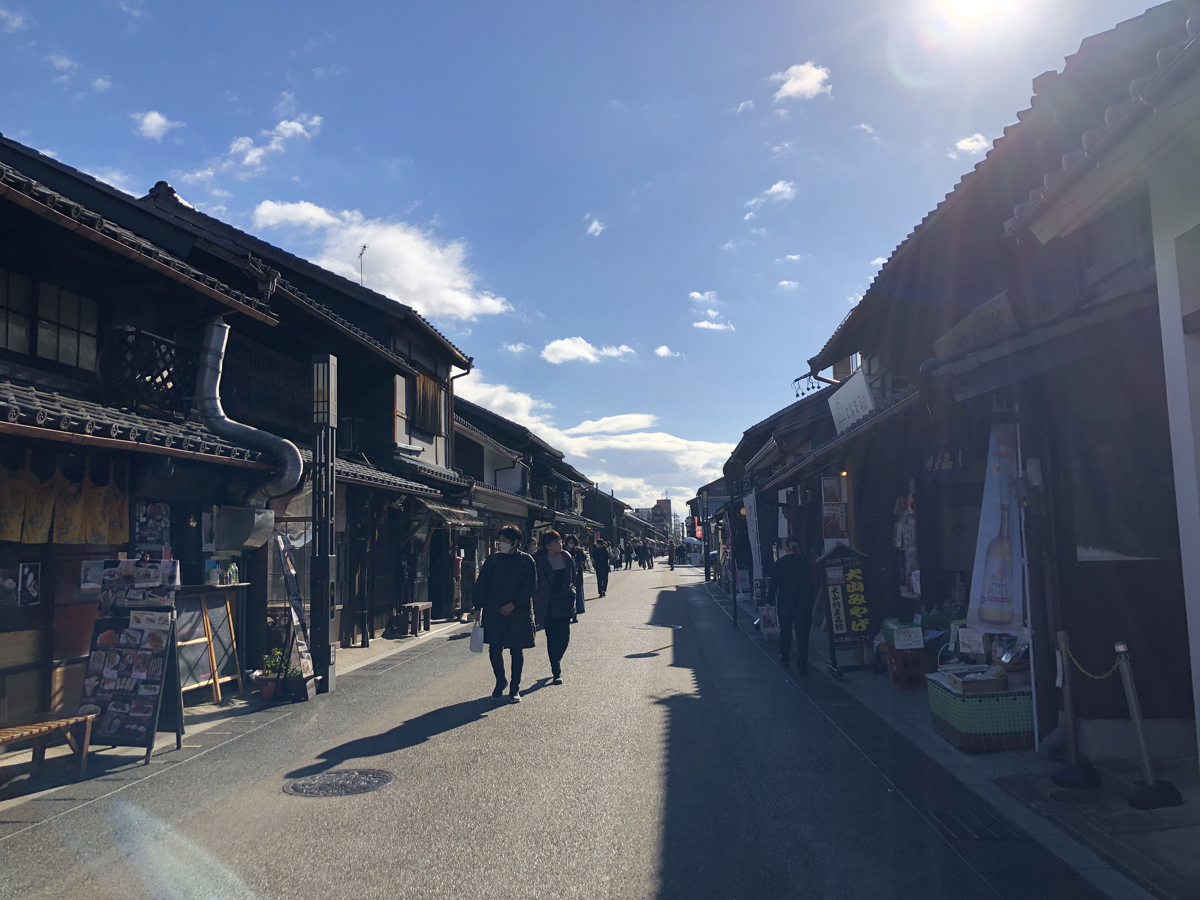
76, 729
420, 617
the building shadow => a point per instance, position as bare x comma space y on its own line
406, 734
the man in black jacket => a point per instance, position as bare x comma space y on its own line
601, 562
790, 591
554, 602
504, 603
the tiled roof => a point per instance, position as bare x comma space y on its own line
458, 516
1174, 62
1048, 87
31, 410
508, 495
359, 473
33, 194
460, 422
435, 472
163, 197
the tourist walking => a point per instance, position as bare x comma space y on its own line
580, 560
503, 602
601, 562
554, 601
671, 554
791, 592
627, 552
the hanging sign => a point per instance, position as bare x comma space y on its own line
997, 600
749, 502
852, 401
843, 579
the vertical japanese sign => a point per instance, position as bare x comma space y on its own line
751, 507
997, 600
843, 578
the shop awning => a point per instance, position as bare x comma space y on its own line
561, 517
454, 516
882, 415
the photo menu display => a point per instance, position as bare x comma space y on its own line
124, 681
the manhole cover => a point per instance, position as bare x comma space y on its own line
341, 783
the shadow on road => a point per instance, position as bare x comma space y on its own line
407, 734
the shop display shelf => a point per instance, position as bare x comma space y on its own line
993, 721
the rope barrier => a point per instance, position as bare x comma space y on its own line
1080, 667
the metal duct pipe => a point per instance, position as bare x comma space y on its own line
208, 401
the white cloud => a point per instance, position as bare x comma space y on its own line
748, 216
116, 178
328, 71
711, 313
794, 257
666, 352
854, 298
614, 424
703, 298
576, 348
779, 192
640, 465
789, 285
246, 157
153, 124
784, 148
103, 83
403, 262
745, 106
63, 65
595, 228
11, 21
728, 245
805, 81
517, 349
863, 126
759, 231
714, 326
286, 105
971, 146
878, 261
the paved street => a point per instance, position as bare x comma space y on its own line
677, 761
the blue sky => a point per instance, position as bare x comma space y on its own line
639, 218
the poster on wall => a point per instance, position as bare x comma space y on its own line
9, 579
834, 527
997, 600
749, 502
30, 584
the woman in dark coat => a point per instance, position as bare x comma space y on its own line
504, 602
601, 562
580, 559
554, 603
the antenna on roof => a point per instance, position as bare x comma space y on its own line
361, 251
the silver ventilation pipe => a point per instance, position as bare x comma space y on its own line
208, 401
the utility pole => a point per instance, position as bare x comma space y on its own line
361, 251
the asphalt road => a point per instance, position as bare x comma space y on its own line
677, 761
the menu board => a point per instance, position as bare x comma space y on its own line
129, 581
130, 674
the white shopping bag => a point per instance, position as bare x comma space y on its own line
477, 638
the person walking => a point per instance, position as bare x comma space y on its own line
671, 554
554, 602
580, 560
601, 561
627, 552
791, 592
503, 602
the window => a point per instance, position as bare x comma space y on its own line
400, 409
266, 385
66, 327
14, 311
427, 412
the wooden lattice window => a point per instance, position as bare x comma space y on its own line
427, 408
266, 384
66, 327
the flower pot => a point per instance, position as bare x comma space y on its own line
266, 687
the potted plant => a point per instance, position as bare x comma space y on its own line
275, 668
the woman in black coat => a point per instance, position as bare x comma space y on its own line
504, 602
580, 559
554, 603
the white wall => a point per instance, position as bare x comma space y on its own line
1175, 210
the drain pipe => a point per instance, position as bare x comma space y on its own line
208, 401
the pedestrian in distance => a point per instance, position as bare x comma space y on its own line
601, 562
580, 559
791, 592
671, 554
627, 552
503, 602
554, 602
